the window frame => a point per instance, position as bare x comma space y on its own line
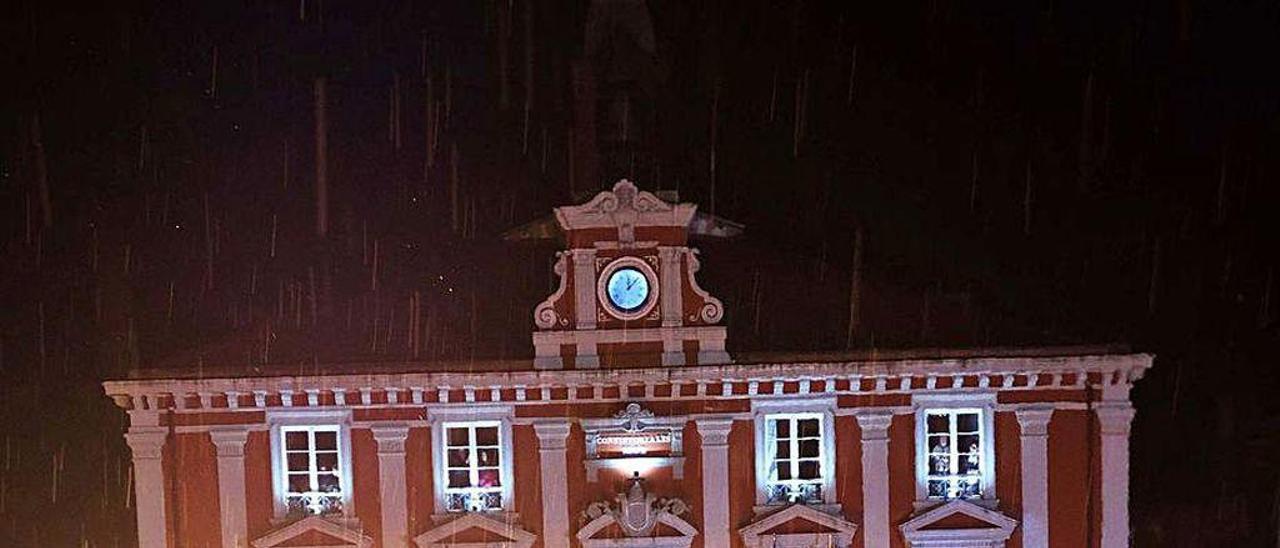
442, 418
281, 422
984, 404
763, 411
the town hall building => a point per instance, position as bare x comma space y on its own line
634, 424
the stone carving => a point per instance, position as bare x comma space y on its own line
544, 315
712, 309
636, 511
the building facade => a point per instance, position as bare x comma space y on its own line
633, 426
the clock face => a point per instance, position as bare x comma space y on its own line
628, 289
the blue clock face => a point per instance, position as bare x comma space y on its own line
628, 289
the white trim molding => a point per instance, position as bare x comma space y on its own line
839, 533
555, 486
146, 443
1114, 421
1033, 424
438, 537
228, 443
983, 403
296, 417
875, 476
714, 433
325, 527
520, 382
822, 408
993, 534
440, 417
392, 485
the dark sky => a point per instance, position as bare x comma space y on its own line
1020, 172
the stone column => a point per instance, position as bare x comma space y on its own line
229, 443
875, 478
147, 445
716, 529
555, 485
1114, 419
393, 491
1034, 424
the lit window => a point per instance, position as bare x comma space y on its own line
473, 466
313, 469
957, 445
794, 448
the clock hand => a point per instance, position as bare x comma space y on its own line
630, 283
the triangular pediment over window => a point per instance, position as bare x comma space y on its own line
799, 525
476, 531
314, 532
958, 523
670, 532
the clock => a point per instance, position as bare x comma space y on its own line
628, 288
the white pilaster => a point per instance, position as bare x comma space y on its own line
1114, 419
394, 493
584, 288
875, 478
555, 486
147, 445
1033, 422
229, 444
672, 293
715, 480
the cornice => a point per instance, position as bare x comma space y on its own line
1111, 373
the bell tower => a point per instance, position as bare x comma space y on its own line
628, 296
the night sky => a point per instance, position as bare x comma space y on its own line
1018, 173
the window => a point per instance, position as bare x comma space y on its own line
473, 466
795, 452
471, 459
313, 469
794, 445
955, 440
311, 462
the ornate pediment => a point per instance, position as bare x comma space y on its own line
625, 207
636, 518
314, 532
799, 525
958, 523
476, 530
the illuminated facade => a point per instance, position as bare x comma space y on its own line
633, 426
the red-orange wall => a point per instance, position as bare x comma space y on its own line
420, 479
196, 511
1009, 470
191, 470
367, 498
259, 501
1069, 478
902, 476
849, 471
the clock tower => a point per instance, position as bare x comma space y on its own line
628, 296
